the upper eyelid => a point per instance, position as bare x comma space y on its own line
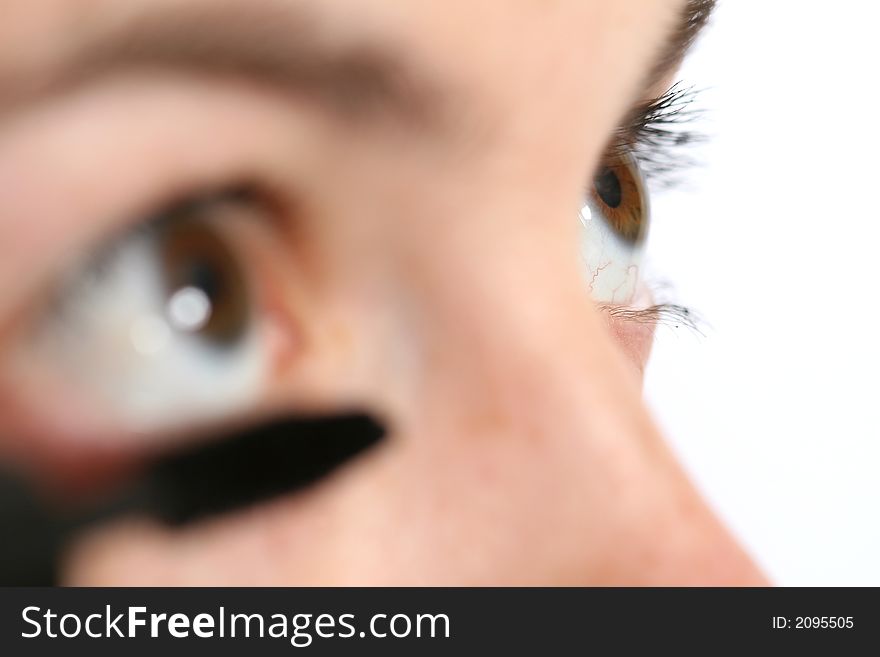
656, 130
40, 190
672, 108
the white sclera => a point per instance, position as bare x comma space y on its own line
611, 264
150, 335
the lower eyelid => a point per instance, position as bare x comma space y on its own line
665, 314
634, 338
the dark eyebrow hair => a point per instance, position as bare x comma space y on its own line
671, 106
693, 18
256, 42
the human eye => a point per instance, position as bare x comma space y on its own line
614, 224
159, 326
616, 214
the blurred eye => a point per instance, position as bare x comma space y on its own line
206, 291
160, 327
614, 224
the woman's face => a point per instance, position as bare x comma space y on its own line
363, 205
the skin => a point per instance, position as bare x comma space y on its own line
442, 290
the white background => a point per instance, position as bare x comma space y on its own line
776, 411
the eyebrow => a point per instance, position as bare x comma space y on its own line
256, 42
693, 18
674, 100
280, 45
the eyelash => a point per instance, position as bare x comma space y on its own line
662, 314
658, 131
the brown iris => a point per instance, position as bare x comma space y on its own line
195, 256
620, 196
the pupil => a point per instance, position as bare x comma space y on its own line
205, 283
202, 275
608, 188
